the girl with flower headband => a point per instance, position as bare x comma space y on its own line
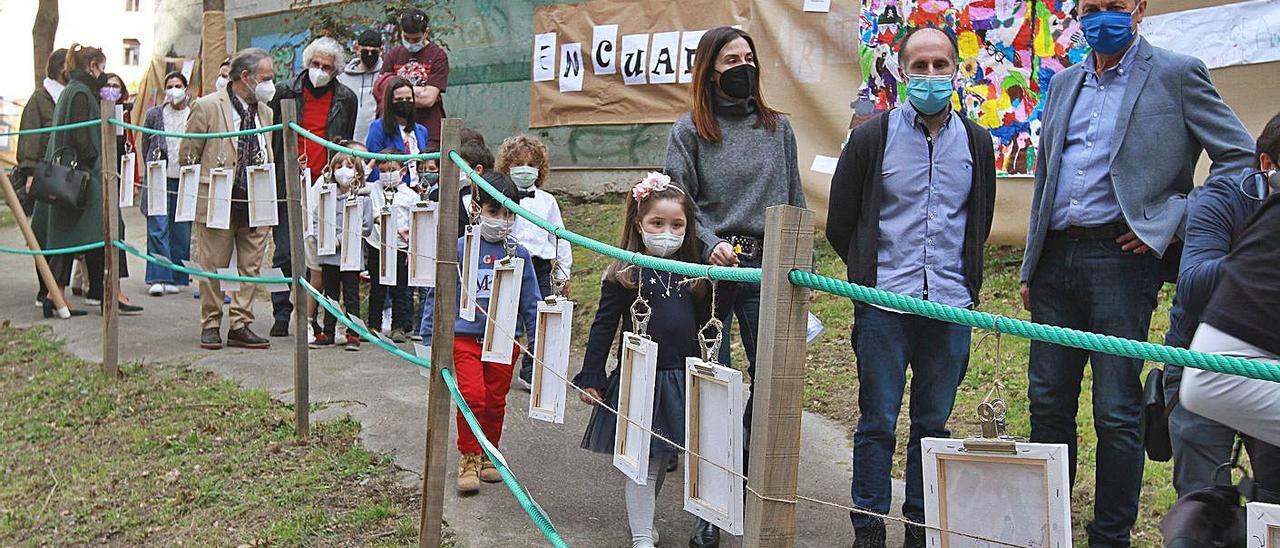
659, 222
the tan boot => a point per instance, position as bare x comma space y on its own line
489, 472
469, 475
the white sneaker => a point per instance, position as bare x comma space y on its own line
311, 334
386, 320
39, 304
92, 302
156, 290
171, 289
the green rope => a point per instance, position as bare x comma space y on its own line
535, 512
226, 135
1253, 369
360, 153
166, 263
51, 129
58, 251
376, 340
730, 274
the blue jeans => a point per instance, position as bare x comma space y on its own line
1093, 285
167, 239
885, 343
1200, 445
745, 306
281, 301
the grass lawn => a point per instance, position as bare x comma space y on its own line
168, 455
831, 384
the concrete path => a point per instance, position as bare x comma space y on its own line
579, 490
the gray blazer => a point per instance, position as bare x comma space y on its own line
1169, 114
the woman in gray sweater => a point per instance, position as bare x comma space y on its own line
735, 156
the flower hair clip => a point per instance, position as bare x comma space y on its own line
654, 182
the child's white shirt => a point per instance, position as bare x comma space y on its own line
401, 203
539, 242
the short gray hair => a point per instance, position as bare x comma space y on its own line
325, 46
247, 59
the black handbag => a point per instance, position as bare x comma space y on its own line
1212, 517
1154, 425
57, 184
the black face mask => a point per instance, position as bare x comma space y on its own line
369, 58
739, 82
402, 109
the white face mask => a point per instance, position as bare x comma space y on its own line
524, 176
495, 230
221, 83
176, 96
265, 91
414, 47
319, 78
344, 175
662, 244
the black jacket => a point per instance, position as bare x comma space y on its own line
339, 126
853, 213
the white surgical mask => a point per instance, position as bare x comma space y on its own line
524, 176
319, 78
176, 96
265, 91
662, 244
221, 83
344, 175
494, 230
414, 47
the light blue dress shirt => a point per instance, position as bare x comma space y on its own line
1085, 195
923, 213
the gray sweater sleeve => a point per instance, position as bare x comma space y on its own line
795, 187
681, 166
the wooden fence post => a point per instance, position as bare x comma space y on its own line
779, 382
298, 267
439, 403
42, 265
111, 179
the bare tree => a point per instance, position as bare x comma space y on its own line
42, 34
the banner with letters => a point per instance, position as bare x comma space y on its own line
618, 61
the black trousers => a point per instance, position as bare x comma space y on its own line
338, 284
401, 298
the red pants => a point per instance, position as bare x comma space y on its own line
484, 385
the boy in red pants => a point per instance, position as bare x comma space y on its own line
484, 385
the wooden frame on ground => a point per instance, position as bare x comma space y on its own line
262, 195
218, 214
551, 360
157, 188
714, 405
1264, 525
504, 311
1021, 497
327, 209
637, 370
188, 194
422, 244
470, 274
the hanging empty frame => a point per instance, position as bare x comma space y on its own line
327, 208
1264, 525
308, 201
1021, 498
387, 239
714, 405
157, 188
422, 245
551, 360
127, 175
504, 310
637, 368
470, 274
218, 214
352, 257
262, 195
188, 193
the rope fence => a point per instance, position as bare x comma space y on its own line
360, 153
53, 129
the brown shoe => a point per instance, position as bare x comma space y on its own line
469, 475
245, 338
489, 472
210, 339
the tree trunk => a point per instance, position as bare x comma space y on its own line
214, 5
213, 43
42, 33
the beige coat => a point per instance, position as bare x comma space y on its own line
213, 114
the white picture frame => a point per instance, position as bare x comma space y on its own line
387, 254
308, 202
128, 167
470, 274
551, 343
422, 244
637, 371
714, 405
327, 208
188, 194
262, 195
1263, 525
218, 214
503, 312
351, 256
157, 188
1021, 497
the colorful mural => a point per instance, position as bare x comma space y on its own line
1007, 56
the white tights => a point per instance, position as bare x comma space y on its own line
641, 501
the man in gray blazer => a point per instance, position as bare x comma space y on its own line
1122, 133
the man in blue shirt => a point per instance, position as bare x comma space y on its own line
911, 207
1122, 132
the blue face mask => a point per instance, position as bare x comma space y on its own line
1108, 32
930, 94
